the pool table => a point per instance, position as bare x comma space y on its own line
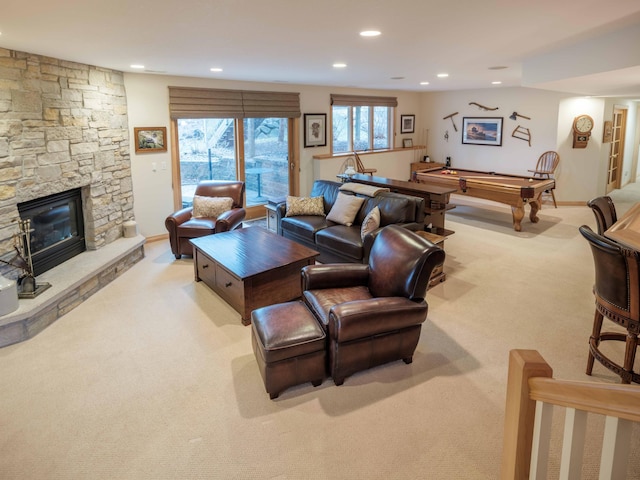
513, 190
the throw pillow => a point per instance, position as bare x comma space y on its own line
210, 207
304, 206
345, 209
370, 223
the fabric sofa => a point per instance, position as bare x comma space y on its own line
339, 243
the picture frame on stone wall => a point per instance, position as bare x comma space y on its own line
150, 139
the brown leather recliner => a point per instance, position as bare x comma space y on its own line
373, 312
182, 226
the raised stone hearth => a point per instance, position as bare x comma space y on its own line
71, 284
63, 126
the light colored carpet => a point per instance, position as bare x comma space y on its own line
154, 377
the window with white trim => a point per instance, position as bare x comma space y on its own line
360, 123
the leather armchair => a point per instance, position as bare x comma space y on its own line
182, 226
373, 313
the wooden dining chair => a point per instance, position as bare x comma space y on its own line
360, 166
545, 168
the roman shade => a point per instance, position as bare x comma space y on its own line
188, 102
363, 101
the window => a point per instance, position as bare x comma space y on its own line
361, 122
234, 134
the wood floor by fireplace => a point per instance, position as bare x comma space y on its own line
57, 228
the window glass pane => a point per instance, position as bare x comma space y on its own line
340, 127
207, 152
380, 127
361, 128
266, 159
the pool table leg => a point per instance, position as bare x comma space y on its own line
518, 215
535, 206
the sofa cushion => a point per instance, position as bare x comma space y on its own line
304, 226
370, 223
341, 239
328, 190
210, 207
345, 209
394, 208
304, 206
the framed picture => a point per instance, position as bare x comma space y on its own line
482, 131
150, 139
315, 129
407, 142
407, 123
607, 133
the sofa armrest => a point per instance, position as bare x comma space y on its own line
281, 211
363, 318
332, 275
230, 220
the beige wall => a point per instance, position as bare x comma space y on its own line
148, 103
581, 174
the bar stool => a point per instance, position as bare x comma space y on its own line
604, 211
617, 294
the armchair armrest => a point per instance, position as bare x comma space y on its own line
179, 217
230, 219
370, 237
332, 275
364, 318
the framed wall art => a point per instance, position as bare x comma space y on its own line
407, 143
482, 131
150, 139
407, 123
607, 131
315, 129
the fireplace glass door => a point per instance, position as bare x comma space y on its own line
57, 228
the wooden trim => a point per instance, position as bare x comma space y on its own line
326, 156
176, 181
520, 412
615, 400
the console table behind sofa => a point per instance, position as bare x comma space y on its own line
436, 198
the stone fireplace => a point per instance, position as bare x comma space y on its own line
56, 228
63, 127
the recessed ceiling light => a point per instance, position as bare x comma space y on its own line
370, 33
137, 66
215, 69
424, 83
339, 65
497, 82
443, 75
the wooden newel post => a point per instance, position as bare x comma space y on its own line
520, 412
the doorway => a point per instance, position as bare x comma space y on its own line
616, 149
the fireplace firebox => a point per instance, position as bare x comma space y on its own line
57, 228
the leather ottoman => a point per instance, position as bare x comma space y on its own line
289, 345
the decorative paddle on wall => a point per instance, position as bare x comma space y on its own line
482, 106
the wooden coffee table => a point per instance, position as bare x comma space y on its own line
251, 267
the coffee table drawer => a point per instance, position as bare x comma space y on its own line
206, 268
229, 286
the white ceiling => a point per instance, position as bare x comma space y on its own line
297, 41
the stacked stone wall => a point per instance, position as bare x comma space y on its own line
64, 125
